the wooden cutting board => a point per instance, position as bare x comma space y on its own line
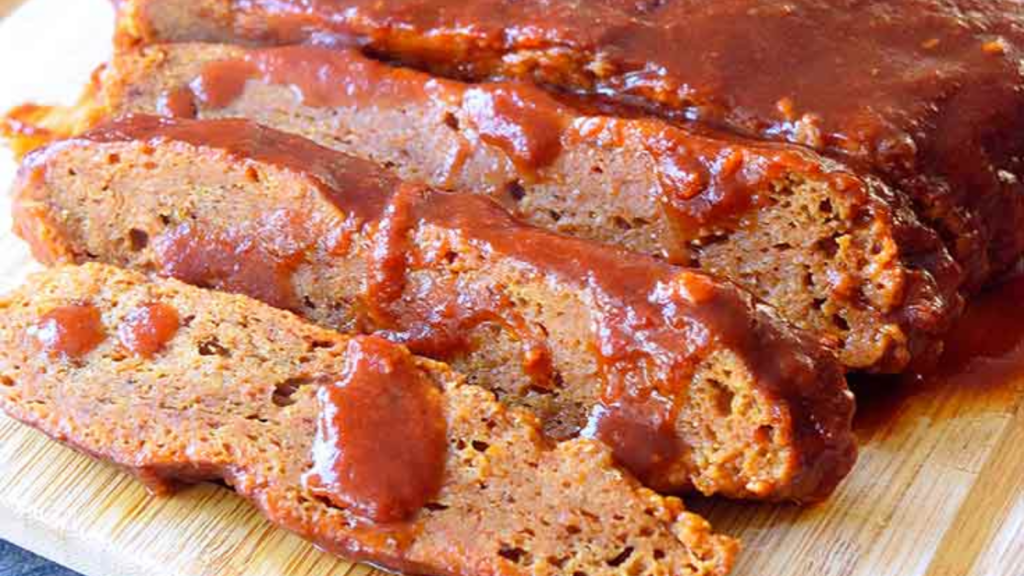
938, 490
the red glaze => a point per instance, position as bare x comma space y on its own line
928, 93
705, 180
511, 116
521, 120
148, 328
228, 263
642, 433
652, 324
70, 331
707, 183
438, 320
177, 103
381, 441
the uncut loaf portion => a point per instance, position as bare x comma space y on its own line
689, 380
178, 384
928, 94
836, 253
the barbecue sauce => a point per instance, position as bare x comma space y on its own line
70, 331
148, 328
381, 439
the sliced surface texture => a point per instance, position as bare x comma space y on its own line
689, 379
927, 93
241, 392
837, 253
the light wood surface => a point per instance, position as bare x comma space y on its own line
938, 490
6, 6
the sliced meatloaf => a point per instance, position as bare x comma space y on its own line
690, 381
928, 93
180, 384
836, 253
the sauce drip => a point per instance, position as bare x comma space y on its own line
512, 117
148, 328
437, 319
70, 331
230, 262
177, 103
381, 440
642, 434
703, 181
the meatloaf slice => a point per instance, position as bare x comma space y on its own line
928, 93
224, 387
836, 253
689, 380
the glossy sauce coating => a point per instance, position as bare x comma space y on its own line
264, 269
70, 331
178, 103
381, 441
228, 263
705, 181
146, 329
806, 70
243, 140
511, 117
520, 120
641, 434
925, 92
438, 321
652, 323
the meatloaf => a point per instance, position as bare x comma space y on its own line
180, 384
839, 254
928, 93
688, 379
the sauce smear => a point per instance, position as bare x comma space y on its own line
521, 120
70, 331
641, 434
225, 262
381, 439
148, 328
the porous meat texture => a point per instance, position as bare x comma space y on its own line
232, 395
690, 381
836, 253
927, 93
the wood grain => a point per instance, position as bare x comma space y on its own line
938, 490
